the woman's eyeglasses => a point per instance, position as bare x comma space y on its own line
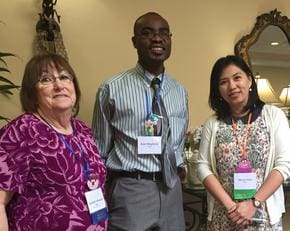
48, 79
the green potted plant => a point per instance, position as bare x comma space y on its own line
6, 86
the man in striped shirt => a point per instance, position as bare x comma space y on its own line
139, 198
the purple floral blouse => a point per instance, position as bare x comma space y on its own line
48, 181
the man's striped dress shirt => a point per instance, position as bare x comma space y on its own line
120, 113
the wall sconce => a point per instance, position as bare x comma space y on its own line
285, 98
265, 90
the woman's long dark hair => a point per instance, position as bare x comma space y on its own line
215, 101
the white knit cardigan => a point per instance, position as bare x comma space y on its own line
279, 157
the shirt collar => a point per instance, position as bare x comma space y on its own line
256, 111
148, 76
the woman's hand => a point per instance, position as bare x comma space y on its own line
243, 212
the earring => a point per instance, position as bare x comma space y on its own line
250, 89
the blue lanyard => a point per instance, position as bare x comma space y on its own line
86, 166
157, 95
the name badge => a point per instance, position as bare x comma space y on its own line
97, 205
149, 145
245, 185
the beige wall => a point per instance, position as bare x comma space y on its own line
97, 37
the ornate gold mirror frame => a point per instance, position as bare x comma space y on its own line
273, 18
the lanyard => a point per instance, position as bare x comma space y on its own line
157, 95
86, 166
242, 145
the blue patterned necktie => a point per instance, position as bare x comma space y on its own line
168, 160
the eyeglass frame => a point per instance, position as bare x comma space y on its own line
149, 33
69, 79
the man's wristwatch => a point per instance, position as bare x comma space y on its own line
257, 204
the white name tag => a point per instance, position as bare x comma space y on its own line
95, 200
149, 145
245, 180
244, 185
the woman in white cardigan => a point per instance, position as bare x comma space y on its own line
243, 136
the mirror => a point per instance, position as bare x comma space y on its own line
268, 59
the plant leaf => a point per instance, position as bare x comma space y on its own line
3, 61
3, 79
4, 69
6, 92
5, 54
4, 118
7, 87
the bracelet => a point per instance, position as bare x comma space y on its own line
232, 209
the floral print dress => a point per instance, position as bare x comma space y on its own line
47, 180
228, 156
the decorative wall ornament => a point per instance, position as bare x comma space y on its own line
273, 18
48, 37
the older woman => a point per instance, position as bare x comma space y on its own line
244, 152
51, 174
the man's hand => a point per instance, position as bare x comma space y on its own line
181, 171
